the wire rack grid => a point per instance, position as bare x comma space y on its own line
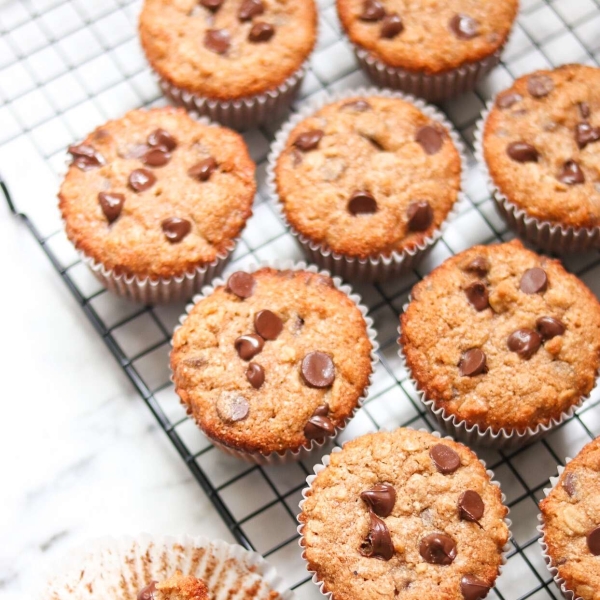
68, 65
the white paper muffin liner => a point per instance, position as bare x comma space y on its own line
118, 568
303, 452
550, 237
325, 463
376, 268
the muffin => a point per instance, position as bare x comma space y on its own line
238, 61
571, 526
503, 344
155, 202
403, 515
541, 151
365, 181
430, 49
274, 362
176, 587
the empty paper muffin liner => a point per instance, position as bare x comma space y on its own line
307, 491
550, 237
118, 568
375, 268
303, 452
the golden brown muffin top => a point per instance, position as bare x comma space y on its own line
430, 525
227, 49
541, 145
157, 194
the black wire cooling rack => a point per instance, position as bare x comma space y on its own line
68, 65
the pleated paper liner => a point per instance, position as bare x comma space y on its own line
314, 446
375, 268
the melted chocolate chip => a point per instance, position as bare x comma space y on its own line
261, 32
217, 40
267, 324
318, 370
362, 203
380, 499
250, 9
175, 229
319, 425
232, 407
147, 593
309, 140
438, 549
85, 157
211, 4
569, 484
445, 459
379, 541
160, 137
522, 152
470, 506
391, 26
241, 284
507, 99
357, 105
549, 327
372, 11
473, 588
534, 281
430, 138
111, 205
479, 265
571, 173
593, 541
464, 27
540, 85
584, 110
248, 346
420, 216
141, 180
586, 134
255, 374
204, 169
472, 363
158, 156
525, 342
477, 295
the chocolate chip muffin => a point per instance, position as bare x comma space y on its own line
176, 587
273, 361
239, 61
541, 147
433, 49
403, 515
366, 181
503, 343
571, 525
155, 201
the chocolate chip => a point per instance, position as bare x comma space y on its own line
261, 32
445, 459
479, 265
464, 27
309, 140
204, 169
571, 173
357, 105
420, 216
85, 157
540, 85
147, 593
362, 203
372, 11
141, 180
250, 9
549, 327
241, 284
473, 362
473, 588
593, 541
232, 407
380, 499
470, 506
507, 99
534, 281
391, 26
160, 137
379, 541
584, 110
586, 134
525, 342
217, 40
111, 204
522, 152
319, 425
569, 484
255, 374
211, 4
438, 549
430, 138
318, 370
158, 156
175, 229
248, 346
477, 295
267, 324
